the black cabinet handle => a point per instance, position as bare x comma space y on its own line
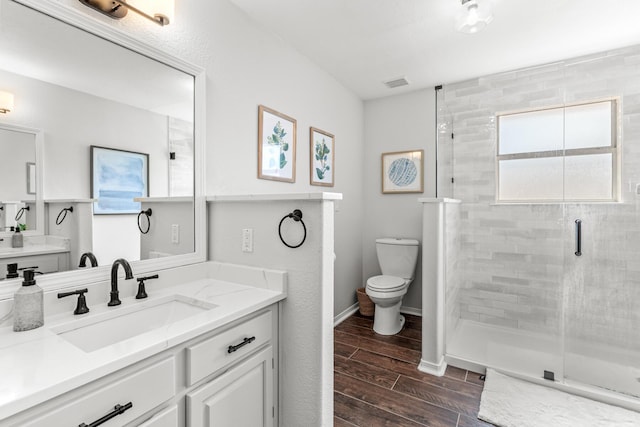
244, 342
117, 410
578, 237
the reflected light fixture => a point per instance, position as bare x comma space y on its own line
474, 16
6, 102
158, 11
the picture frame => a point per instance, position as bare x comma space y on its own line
31, 178
322, 157
403, 172
117, 178
276, 145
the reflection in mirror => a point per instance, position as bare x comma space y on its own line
17, 175
81, 91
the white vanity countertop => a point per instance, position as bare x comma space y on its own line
30, 250
38, 365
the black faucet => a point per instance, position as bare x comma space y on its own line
114, 279
92, 259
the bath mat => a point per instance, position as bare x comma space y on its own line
510, 402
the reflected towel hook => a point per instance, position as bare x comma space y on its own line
146, 213
21, 212
63, 214
296, 215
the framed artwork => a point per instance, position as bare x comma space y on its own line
117, 178
276, 145
322, 156
31, 178
403, 172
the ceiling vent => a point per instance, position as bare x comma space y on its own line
402, 81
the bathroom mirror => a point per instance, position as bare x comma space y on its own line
20, 200
83, 83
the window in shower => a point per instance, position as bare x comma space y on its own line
566, 153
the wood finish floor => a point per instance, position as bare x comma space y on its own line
377, 383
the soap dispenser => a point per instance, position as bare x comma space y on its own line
28, 305
17, 240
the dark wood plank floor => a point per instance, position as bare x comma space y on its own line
377, 382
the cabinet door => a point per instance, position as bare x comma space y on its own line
241, 397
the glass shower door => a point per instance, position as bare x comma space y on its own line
602, 277
602, 298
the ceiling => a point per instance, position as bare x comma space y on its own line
363, 43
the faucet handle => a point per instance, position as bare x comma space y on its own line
142, 293
81, 307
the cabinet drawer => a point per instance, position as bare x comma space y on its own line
145, 389
166, 418
213, 354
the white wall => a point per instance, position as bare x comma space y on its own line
246, 66
397, 123
306, 321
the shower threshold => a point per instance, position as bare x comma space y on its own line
526, 355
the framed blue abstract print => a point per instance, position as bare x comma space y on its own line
117, 178
403, 172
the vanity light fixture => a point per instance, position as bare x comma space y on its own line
6, 102
474, 16
158, 11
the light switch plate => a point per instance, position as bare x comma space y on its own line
247, 240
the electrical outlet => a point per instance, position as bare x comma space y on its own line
175, 233
247, 240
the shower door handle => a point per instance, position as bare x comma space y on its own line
578, 237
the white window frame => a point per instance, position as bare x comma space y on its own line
613, 149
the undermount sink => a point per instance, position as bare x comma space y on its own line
121, 323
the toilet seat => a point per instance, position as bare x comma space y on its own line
385, 283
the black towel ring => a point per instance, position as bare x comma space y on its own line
21, 212
63, 213
297, 217
146, 213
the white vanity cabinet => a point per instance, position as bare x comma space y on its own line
225, 377
244, 394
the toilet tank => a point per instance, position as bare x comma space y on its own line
397, 257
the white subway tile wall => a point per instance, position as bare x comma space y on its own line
516, 267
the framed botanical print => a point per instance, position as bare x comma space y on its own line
322, 157
276, 145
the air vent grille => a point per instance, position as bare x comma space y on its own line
402, 81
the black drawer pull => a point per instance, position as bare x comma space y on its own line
244, 342
117, 410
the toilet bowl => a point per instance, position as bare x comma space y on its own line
397, 259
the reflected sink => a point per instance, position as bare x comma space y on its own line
119, 324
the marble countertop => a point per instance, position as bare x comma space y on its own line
30, 250
38, 365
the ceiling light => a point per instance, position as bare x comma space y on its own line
158, 11
6, 102
474, 16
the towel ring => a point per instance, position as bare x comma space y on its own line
63, 213
297, 217
21, 212
146, 213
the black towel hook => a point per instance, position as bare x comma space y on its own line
146, 213
63, 213
296, 215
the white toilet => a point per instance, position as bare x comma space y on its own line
397, 259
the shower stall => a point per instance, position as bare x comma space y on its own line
546, 281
